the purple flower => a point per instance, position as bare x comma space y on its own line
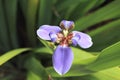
63, 55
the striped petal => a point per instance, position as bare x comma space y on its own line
84, 41
44, 31
62, 59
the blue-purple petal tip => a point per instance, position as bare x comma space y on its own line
64, 24
62, 59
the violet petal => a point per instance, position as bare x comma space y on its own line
53, 36
67, 24
44, 31
62, 59
85, 40
75, 39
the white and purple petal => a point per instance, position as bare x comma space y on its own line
85, 40
44, 31
62, 59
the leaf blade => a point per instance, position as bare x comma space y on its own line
34, 66
10, 54
101, 15
105, 35
108, 58
11, 12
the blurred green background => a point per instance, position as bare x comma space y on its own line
24, 57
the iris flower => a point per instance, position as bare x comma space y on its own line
63, 36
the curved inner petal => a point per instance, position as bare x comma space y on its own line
62, 59
85, 40
75, 39
53, 36
44, 31
67, 24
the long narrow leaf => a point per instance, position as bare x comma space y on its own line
67, 3
9, 55
45, 12
11, 11
105, 36
82, 8
4, 39
23, 6
109, 74
109, 57
34, 66
31, 13
32, 76
110, 11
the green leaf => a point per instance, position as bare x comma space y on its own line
66, 4
82, 8
9, 55
45, 12
109, 74
35, 69
8, 77
110, 11
32, 6
4, 39
10, 13
109, 57
99, 2
81, 58
43, 50
48, 45
23, 6
32, 76
105, 36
